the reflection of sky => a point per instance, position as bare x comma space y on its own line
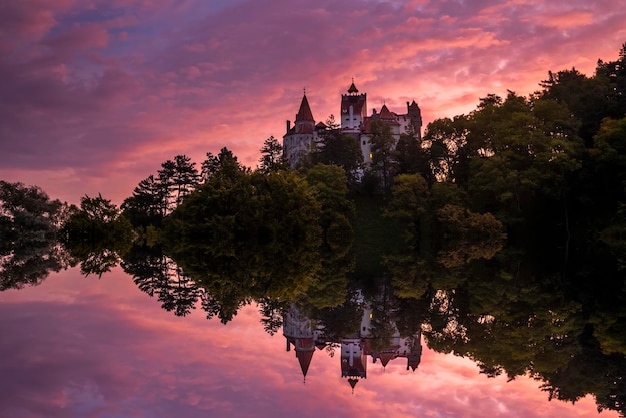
94, 95
83, 347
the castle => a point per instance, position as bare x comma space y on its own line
305, 134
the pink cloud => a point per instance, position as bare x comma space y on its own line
567, 20
79, 37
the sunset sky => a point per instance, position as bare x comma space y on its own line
96, 94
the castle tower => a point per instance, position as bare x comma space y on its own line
353, 360
415, 356
305, 123
301, 138
299, 332
415, 115
353, 110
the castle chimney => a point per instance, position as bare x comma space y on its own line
288, 126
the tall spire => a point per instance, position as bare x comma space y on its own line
305, 114
353, 89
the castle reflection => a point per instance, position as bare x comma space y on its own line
306, 335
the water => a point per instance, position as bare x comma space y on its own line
77, 346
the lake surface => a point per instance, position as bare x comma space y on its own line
77, 346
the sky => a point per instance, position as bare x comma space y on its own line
96, 94
94, 347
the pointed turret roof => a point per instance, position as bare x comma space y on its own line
304, 358
305, 347
385, 356
413, 362
353, 381
353, 88
305, 114
385, 113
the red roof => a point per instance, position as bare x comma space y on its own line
304, 358
305, 114
385, 114
385, 356
304, 129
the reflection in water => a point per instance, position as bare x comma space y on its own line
511, 315
306, 335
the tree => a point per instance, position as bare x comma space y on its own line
586, 98
614, 72
209, 167
446, 140
245, 236
331, 123
98, 209
409, 194
225, 164
609, 158
97, 227
529, 150
272, 158
177, 179
341, 150
147, 203
411, 157
383, 144
329, 185
29, 223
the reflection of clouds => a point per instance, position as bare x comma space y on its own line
84, 347
110, 90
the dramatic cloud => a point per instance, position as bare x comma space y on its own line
95, 95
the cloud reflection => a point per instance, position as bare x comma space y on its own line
83, 347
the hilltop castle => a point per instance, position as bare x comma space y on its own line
305, 133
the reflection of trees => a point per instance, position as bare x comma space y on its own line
525, 315
29, 250
30, 263
156, 274
246, 236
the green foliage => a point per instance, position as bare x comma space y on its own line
464, 223
409, 194
374, 237
29, 223
340, 150
411, 157
383, 155
448, 148
609, 157
272, 158
244, 236
329, 185
147, 204
97, 235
